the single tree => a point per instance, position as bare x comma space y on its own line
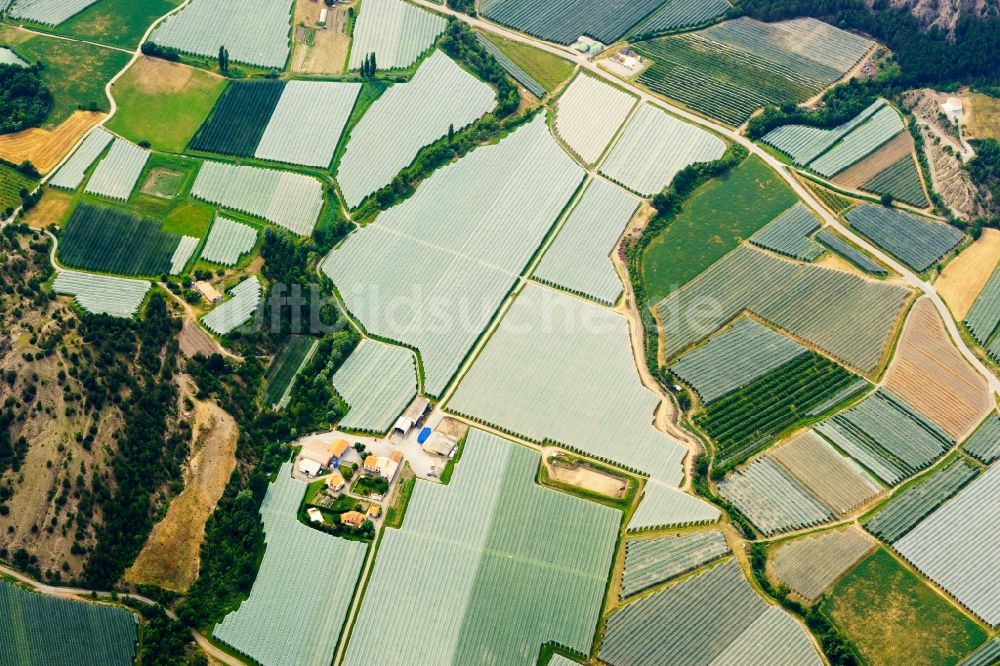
223, 60
451, 133
887, 200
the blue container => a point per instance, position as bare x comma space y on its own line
424, 434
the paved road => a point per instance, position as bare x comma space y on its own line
908, 276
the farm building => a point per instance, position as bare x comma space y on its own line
386, 467
310, 467
208, 292
440, 444
352, 518
339, 448
335, 481
374, 510
314, 515
410, 417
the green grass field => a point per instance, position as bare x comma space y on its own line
163, 103
11, 182
120, 23
547, 69
370, 91
893, 618
714, 220
75, 72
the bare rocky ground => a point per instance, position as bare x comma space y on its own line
944, 152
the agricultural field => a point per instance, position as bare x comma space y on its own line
893, 618
731, 69
958, 547
886, 436
564, 21
477, 223
900, 181
983, 116
882, 127
916, 241
74, 72
72, 173
713, 618
291, 617
649, 562
986, 655
547, 69
804, 143
228, 241
654, 147
238, 310
984, 315
40, 629
836, 480
850, 317
240, 118
116, 174
290, 200
733, 358
48, 12
678, 14
307, 122
579, 258
773, 500
810, 565
582, 391
906, 509
407, 117
835, 202
588, 115
120, 23
285, 369
395, 31
377, 381
531, 569
965, 276
789, 234
102, 294
46, 148
11, 184
113, 240
255, 32
849, 252
714, 219
930, 375
164, 103
984, 443
513, 70
900, 147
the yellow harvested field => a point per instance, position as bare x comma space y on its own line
170, 557
931, 376
50, 210
965, 276
877, 162
45, 148
983, 116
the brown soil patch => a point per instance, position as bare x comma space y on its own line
194, 340
831, 259
929, 374
155, 76
586, 477
879, 161
328, 52
965, 276
45, 148
170, 557
49, 210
